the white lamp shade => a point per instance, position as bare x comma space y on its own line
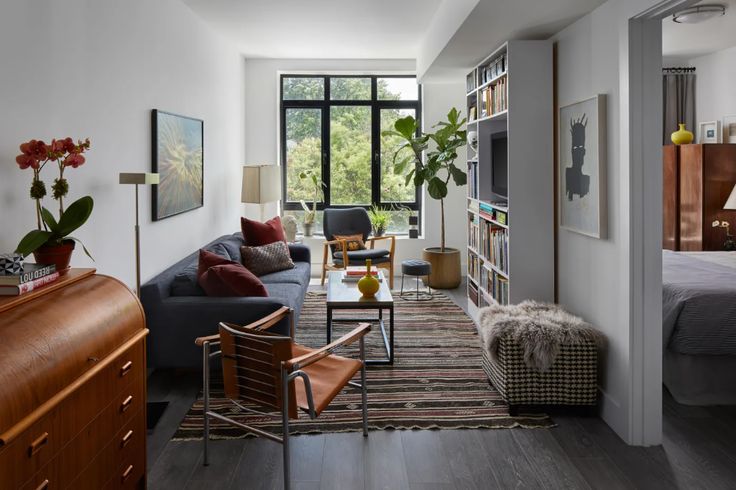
731, 201
261, 184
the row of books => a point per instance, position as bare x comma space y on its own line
496, 285
494, 245
473, 231
33, 277
489, 212
473, 179
494, 69
474, 266
494, 99
470, 82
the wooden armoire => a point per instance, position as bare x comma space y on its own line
697, 182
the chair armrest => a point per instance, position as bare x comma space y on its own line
199, 341
373, 240
299, 253
344, 249
347, 339
269, 321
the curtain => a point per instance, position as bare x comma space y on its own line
678, 88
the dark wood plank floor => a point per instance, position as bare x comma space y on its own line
699, 451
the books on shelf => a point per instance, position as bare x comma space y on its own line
28, 286
472, 113
494, 245
494, 69
490, 212
473, 231
494, 99
470, 82
473, 179
31, 272
474, 266
354, 274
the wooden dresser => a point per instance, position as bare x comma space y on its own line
73, 386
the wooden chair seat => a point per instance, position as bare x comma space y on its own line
328, 377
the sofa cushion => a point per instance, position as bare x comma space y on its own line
368, 253
298, 275
232, 245
291, 295
186, 282
209, 259
352, 242
256, 233
231, 280
266, 259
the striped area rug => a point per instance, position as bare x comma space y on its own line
436, 382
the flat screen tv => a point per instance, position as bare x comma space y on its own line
500, 164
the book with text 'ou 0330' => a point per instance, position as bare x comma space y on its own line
27, 287
30, 273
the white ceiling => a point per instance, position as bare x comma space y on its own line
691, 40
361, 29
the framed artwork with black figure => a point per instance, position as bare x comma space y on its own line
581, 167
178, 157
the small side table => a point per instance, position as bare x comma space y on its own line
416, 268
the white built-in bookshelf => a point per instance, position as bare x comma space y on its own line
511, 230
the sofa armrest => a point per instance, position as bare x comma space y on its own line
300, 253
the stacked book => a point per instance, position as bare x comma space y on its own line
494, 99
494, 245
354, 274
33, 277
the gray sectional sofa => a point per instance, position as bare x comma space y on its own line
178, 311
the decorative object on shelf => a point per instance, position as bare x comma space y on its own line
380, 219
290, 226
473, 140
368, 285
413, 226
582, 168
436, 170
261, 185
709, 132
311, 215
729, 129
682, 136
178, 157
50, 242
11, 263
138, 179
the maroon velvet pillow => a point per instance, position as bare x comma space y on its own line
221, 277
256, 233
231, 280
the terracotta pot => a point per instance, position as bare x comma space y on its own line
445, 267
59, 255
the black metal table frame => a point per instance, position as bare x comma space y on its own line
388, 341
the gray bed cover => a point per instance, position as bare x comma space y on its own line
698, 305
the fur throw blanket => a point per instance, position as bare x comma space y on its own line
539, 328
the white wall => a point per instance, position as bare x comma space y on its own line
262, 127
601, 279
715, 96
96, 68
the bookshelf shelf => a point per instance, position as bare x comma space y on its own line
511, 237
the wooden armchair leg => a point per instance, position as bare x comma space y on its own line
391, 275
324, 269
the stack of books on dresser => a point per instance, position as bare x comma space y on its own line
32, 277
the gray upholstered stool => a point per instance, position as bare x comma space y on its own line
416, 268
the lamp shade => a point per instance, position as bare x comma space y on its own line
261, 184
139, 178
731, 201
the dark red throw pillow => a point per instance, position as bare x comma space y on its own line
231, 280
221, 277
256, 233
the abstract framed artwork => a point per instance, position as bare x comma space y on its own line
582, 167
178, 158
709, 132
729, 129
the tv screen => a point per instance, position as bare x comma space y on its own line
499, 164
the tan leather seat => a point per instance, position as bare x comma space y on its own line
328, 377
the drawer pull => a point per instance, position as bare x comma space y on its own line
127, 473
38, 444
126, 439
126, 368
44, 485
126, 403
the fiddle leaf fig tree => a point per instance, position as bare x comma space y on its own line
432, 155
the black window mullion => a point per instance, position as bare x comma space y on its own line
375, 154
326, 115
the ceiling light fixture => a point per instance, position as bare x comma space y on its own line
699, 13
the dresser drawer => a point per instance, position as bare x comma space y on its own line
29, 452
112, 463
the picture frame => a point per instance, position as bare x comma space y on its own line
709, 132
729, 129
581, 167
178, 157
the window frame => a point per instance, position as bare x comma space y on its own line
325, 104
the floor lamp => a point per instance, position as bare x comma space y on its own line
261, 185
138, 179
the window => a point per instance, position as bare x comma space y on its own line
332, 126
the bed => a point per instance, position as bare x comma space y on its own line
699, 326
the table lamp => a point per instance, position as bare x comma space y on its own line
138, 179
731, 201
261, 185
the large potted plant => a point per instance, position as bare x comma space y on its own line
431, 161
51, 242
